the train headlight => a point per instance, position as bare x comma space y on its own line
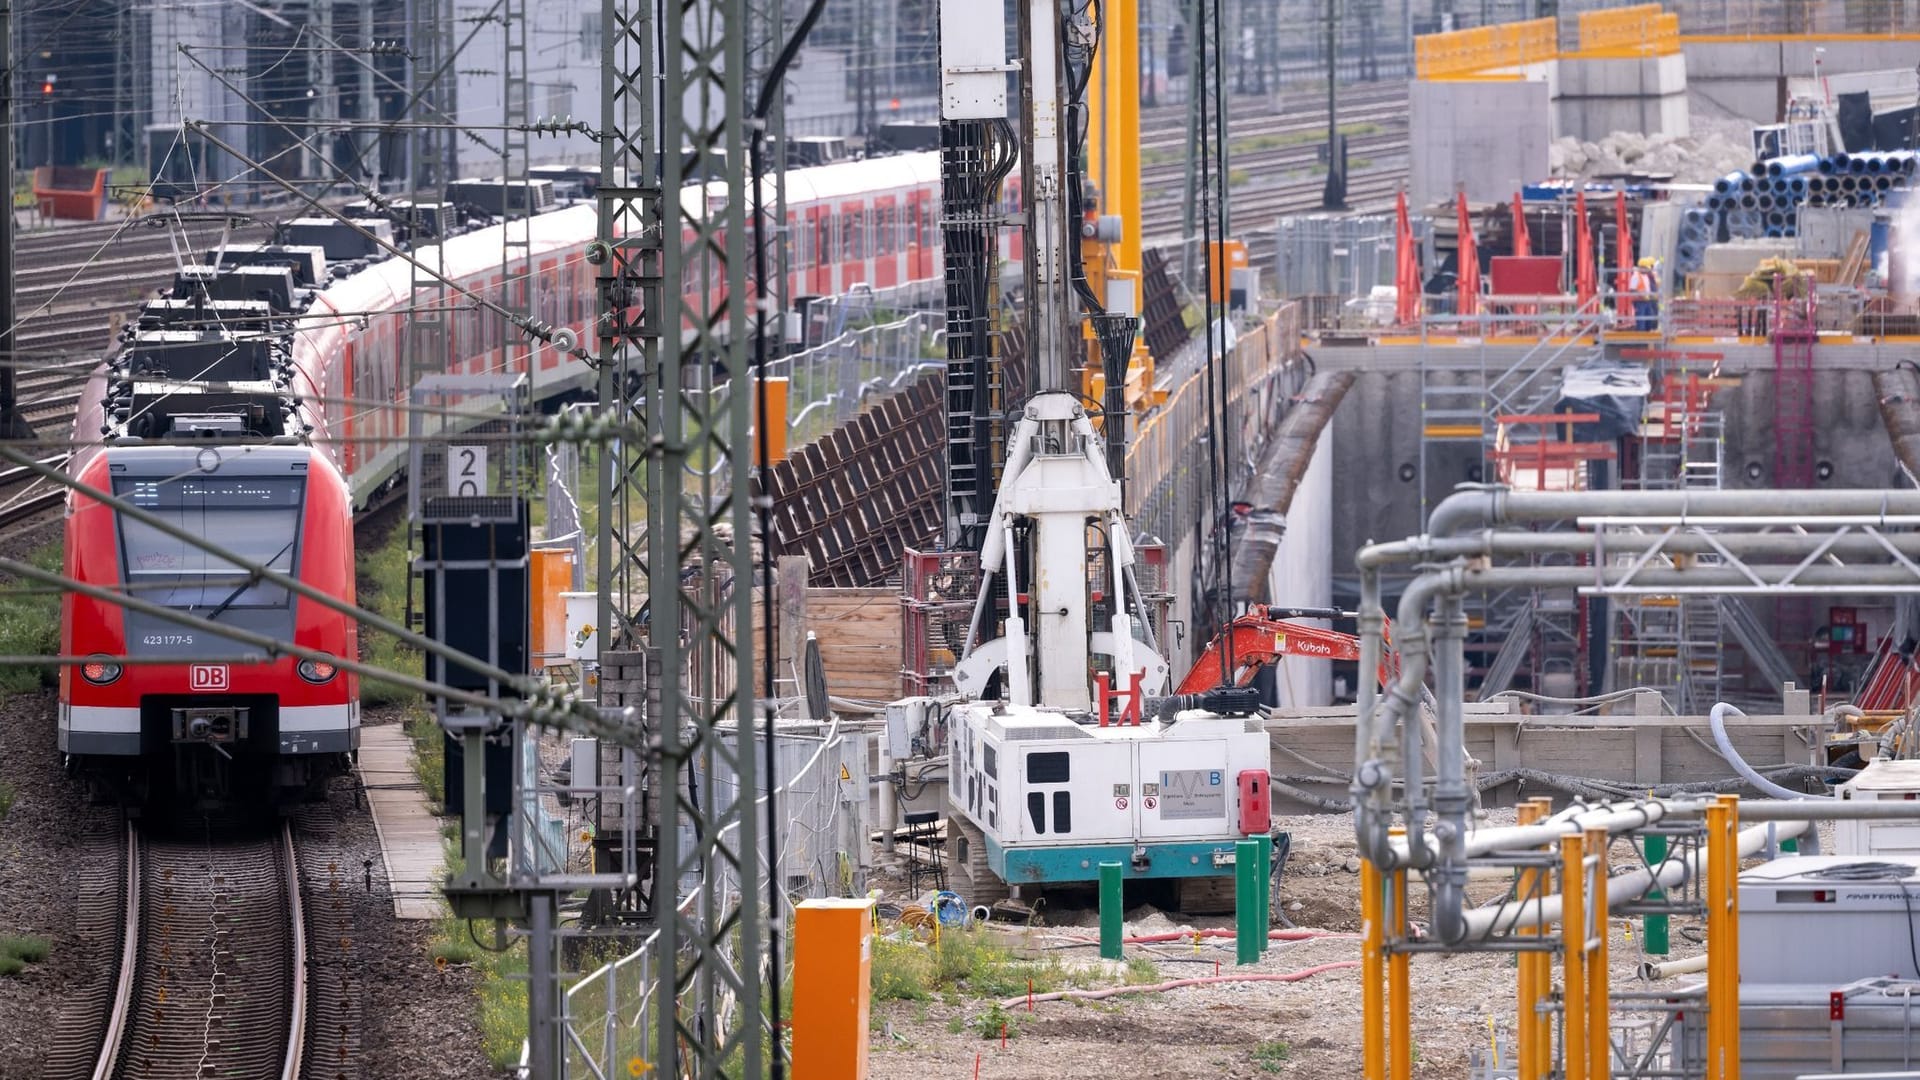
100, 671
317, 671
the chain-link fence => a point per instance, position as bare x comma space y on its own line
828, 383
611, 1017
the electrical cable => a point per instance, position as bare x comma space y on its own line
763, 503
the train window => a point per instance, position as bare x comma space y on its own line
849, 232
1037, 810
1062, 812
255, 517
802, 241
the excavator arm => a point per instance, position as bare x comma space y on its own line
1261, 637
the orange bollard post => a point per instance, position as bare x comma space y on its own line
1723, 941
1599, 1015
1399, 982
1373, 989
1531, 986
1573, 954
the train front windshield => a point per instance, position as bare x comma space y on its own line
254, 517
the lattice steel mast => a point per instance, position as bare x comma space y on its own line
667, 117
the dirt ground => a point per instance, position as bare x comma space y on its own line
1461, 1002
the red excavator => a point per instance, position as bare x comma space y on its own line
1263, 636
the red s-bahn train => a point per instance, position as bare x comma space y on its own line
263, 402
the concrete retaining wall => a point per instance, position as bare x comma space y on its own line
1747, 78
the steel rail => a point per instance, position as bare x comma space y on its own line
129, 960
297, 967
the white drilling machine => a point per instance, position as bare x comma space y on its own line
1063, 752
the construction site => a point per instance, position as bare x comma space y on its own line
1219, 538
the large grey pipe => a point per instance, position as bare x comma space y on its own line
1451, 797
1717, 719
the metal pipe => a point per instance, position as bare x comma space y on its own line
1487, 921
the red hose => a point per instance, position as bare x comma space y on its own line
1176, 984
1272, 935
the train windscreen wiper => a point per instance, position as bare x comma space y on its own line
245, 585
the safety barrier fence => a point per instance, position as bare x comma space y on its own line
1774, 18
1639, 30
1169, 470
1485, 48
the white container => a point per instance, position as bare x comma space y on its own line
1881, 781
1801, 922
583, 629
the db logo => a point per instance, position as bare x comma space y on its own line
208, 677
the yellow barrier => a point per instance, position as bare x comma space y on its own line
1641, 30
1485, 48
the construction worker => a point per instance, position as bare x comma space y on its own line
1643, 286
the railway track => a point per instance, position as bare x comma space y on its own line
210, 976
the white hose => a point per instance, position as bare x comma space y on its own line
1716, 718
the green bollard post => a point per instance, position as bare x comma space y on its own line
1250, 925
1266, 891
1653, 928
1112, 911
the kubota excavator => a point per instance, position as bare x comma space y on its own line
1263, 636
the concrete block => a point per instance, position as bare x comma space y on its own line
1485, 137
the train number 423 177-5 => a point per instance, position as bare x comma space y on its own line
167, 639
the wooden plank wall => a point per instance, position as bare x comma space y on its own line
858, 629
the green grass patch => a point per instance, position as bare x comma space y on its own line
1141, 970
1270, 1054
1282, 140
30, 626
996, 1023
963, 964
500, 1005
7, 793
11, 966
382, 570
429, 756
28, 948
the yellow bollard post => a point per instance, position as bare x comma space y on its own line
1599, 1016
1373, 1011
1723, 941
832, 972
1573, 957
1399, 983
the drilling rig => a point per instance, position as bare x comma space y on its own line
1063, 752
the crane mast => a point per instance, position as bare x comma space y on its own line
1056, 489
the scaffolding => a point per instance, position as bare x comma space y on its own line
1675, 643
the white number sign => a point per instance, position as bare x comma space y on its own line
466, 470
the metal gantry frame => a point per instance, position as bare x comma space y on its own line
674, 103
1761, 542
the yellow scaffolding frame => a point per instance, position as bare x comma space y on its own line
1586, 1048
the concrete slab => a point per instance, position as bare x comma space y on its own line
410, 842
